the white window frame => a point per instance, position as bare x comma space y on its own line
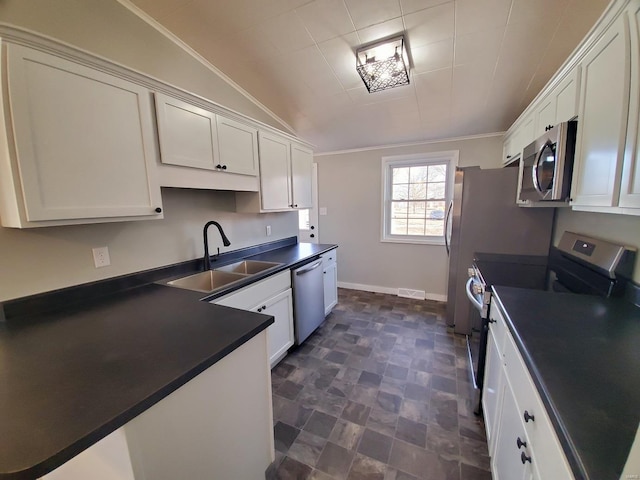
450, 157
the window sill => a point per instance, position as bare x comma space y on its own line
415, 241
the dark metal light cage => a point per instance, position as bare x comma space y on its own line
383, 74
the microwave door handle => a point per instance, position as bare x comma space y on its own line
446, 228
534, 170
474, 301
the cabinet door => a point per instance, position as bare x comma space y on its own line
545, 116
84, 140
330, 287
630, 187
238, 146
187, 134
492, 385
566, 97
275, 188
301, 176
280, 333
604, 101
506, 463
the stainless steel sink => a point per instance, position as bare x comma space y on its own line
208, 281
248, 267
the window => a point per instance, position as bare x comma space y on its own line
416, 192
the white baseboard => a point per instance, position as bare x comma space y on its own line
391, 291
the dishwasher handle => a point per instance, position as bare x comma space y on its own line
309, 268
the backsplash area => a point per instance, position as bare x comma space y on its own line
38, 260
616, 228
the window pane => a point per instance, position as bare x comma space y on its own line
418, 174
416, 226
435, 190
400, 175
400, 192
437, 173
417, 191
434, 227
398, 226
417, 209
399, 209
303, 219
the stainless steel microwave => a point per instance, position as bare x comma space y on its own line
547, 165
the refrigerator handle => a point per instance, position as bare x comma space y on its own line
446, 228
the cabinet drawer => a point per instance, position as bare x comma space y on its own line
547, 453
248, 296
329, 258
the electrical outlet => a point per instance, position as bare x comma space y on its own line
101, 257
268, 230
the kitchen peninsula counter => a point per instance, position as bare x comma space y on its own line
582, 353
79, 363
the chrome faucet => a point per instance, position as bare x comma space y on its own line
225, 241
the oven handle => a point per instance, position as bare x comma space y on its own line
479, 306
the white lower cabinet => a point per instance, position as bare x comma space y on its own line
330, 278
271, 296
515, 415
217, 425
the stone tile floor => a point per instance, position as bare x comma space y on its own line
379, 392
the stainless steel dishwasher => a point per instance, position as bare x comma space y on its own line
308, 299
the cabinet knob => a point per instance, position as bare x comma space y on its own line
524, 459
158, 210
263, 307
508, 157
218, 166
224, 167
312, 227
296, 205
312, 236
528, 417
520, 443
491, 320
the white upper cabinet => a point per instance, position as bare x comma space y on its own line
77, 144
275, 172
200, 148
560, 105
301, 176
188, 134
285, 177
238, 146
630, 186
604, 102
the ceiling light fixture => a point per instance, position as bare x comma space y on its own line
383, 64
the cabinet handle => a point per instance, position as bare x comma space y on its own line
508, 157
491, 320
521, 444
524, 459
263, 307
528, 417
158, 210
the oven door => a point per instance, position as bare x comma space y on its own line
477, 340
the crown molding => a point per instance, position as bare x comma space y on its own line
412, 144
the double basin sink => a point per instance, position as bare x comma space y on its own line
212, 280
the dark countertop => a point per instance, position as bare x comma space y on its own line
522, 271
78, 363
582, 353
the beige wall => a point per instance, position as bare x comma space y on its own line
618, 228
349, 186
37, 260
106, 28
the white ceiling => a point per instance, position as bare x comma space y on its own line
476, 64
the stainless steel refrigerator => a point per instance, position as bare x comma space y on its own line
484, 217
